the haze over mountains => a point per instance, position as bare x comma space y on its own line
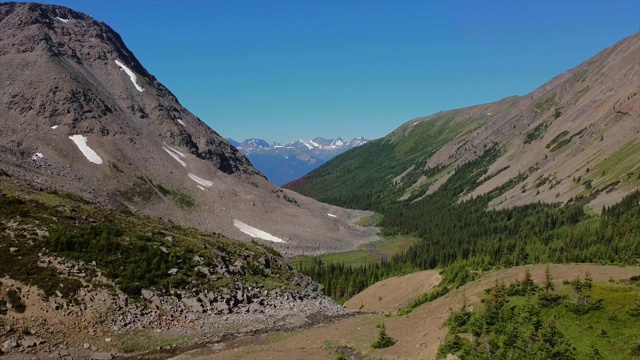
284, 163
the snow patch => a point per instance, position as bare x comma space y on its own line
81, 142
132, 76
314, 143
306, 144
61, 19
37, 156
54, 127
200, 180
415, 123
176, 150
180, 122
331, 215
175, 157
256, 233
201, 188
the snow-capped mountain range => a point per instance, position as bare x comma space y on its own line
284, 163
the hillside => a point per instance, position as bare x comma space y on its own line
420, 333
81, 114
575, 136
75, 273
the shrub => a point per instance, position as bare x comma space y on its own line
384, 340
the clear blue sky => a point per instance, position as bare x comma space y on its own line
282, 70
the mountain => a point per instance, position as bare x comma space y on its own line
284, 163
81, 114
575, 137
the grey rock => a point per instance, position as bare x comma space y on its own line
192, 304
28, 342
172, 271
13, 249
102, 356
10, 344
147, 294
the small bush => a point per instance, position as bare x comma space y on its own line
16, 301
384, 340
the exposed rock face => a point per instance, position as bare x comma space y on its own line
80, 113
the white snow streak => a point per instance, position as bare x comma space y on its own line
132, 76
201, 188
54, 127
200, 180
176, 150
256, 233
174, 156
61, 19
81, 142
331, 215
180, 122
37, 156
415, 123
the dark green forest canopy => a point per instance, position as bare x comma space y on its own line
464, 237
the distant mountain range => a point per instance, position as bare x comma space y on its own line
284, 163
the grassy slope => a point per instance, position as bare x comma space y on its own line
132, 251
367, 253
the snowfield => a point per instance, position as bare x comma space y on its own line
54, 127
174, 156
256, 233
200, 180
331, 215
61, 19
132, 76
37, 156
181, 122
81, 142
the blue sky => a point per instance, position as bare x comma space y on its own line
283, 70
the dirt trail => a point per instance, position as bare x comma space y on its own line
418, 333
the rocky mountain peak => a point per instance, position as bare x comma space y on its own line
81, 114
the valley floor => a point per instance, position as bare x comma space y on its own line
418, 334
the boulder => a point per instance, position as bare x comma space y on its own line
10, 344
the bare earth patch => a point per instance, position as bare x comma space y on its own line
394, 293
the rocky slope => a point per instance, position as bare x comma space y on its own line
575, 136
80, 113
284, 163
88, 282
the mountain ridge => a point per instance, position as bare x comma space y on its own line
81, 114
284, 163
555, 136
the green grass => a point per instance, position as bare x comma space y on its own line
535, 133
557, 138
617, 166
622, 329
545, 103
368, 253
612, 329
370, 220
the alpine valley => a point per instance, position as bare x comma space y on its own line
284, 163
131, 229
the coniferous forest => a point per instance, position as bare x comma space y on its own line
463, 238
